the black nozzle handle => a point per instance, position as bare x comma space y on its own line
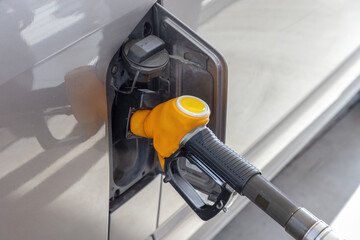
230, 166
203, 146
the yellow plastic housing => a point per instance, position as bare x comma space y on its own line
168, 123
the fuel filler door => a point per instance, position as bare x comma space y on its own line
161, 59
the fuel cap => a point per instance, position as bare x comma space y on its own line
193, 106
147, 55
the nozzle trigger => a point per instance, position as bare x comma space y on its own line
175, 177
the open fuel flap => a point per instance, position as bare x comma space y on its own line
161, 59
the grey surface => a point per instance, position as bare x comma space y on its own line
53, 185
278, 52
322, 179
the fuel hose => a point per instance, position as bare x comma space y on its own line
247, 180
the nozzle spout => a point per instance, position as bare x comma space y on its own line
137, 123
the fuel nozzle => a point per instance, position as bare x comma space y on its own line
169, 125
178, 129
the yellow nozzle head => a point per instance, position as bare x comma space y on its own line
169, 122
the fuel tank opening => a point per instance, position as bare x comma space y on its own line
160, 59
